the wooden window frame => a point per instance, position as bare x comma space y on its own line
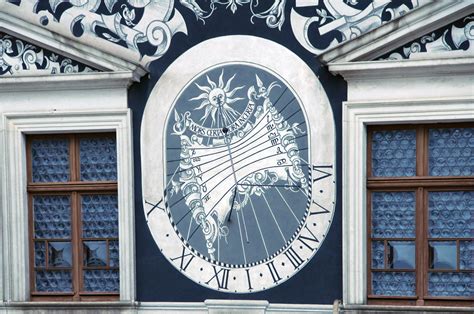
421, 184
75, 188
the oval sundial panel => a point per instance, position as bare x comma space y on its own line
238, 166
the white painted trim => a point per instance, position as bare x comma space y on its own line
356, 116
77, 81
208, 306
14, 196
398, 32
384, 69
88, 55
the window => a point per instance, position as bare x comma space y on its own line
420, 214
73, 217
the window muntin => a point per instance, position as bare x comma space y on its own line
436, 266
73, 217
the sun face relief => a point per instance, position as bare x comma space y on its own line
237, 194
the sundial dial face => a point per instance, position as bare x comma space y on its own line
231, 159
236, 158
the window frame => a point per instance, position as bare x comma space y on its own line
421, 184
357, 115
14, 173
74, 188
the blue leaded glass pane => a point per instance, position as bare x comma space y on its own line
60, 254
466, 254
378, 255
451, 152
394, 153
401, 254
53, 281
393, 214
98, 159
443, 255
99, 216
52, 216
114, 253
393, 283
101, 280
50, 160
451, 284
451, 214
95, 253
40, 253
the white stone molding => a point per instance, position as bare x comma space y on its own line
356, 116
86, 54
14, 214
395, 92
398, 32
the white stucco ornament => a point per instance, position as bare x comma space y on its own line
238, 155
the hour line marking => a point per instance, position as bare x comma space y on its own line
241, 238
284, 200
258, 225
271, 212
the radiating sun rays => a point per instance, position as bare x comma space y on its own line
216, 100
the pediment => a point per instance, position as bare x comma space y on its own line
19, 57
439, 26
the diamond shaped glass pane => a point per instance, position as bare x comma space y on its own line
393, 283
393, 214
451, 152
394, 153
95, 253
451, 284
53, 281
101, 280
50, 160
52, 216
99, 216
451, 214
401, 254
98, 159
60, 254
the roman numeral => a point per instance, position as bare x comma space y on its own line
154, 206
294, 258
248, 279
276, 277
321, 172
318, 212
223, 280
306, 239
185, 259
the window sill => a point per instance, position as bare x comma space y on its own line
70, 304
404, 308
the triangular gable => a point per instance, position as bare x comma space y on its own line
19, 57
455, 36
399, 33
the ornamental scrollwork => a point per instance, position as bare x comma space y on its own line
20, 58
336, 21
456, 36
